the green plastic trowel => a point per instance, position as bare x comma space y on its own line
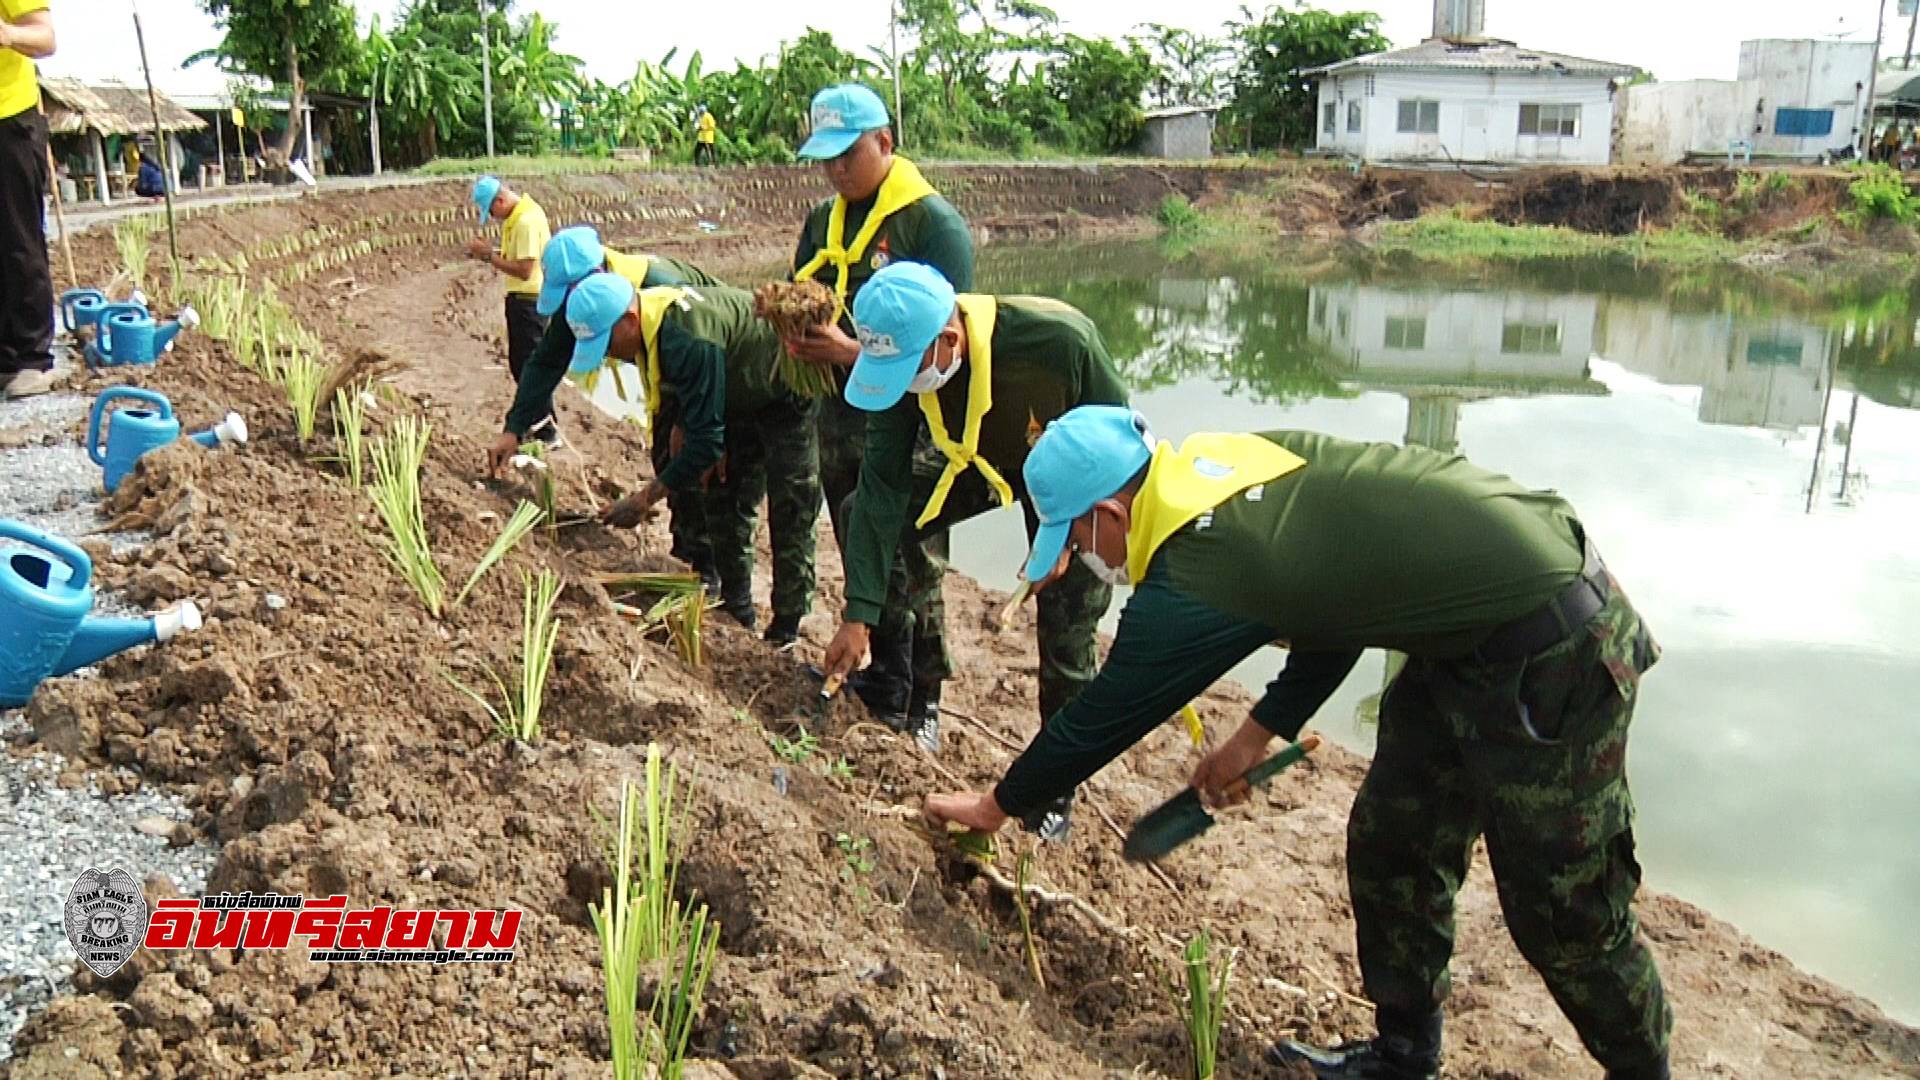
1184, 816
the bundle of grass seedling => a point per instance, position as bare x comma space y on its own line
525, 517
302, 376
644, 931
794, 308
518, 717
680, 609
1203, 1002
132, 237
397, 458
349, 428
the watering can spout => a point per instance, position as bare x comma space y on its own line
97, 639
231, 430
164, 334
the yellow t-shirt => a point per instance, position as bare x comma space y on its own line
19, 88
523, 235
707, 127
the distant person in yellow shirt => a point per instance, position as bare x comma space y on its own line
523, 235
26, 285
705, 136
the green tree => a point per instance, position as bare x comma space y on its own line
1270, 95
290, 41
530, 68
1187, 66
1100, 84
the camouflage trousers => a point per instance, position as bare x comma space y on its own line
918, 569
686, 510
774, 455
1532, 754
1069, 610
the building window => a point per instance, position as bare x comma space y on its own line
1762, 350
1407, 333
1556, 121
1329, 114
1369, 86
1353, 117
1803, 123
1320, 312
1419, 117
1534, 339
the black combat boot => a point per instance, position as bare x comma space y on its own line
1407, 1048
923, 717
739, 608
885, 685
709, 577
1051, 822
783, 631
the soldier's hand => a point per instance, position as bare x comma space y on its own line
974, 809
501, 452
846, 650
824, 344
1217, 777
676, 441
635, 508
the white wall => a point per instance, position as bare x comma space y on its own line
1479, 117
1805, 75
1400, 336
1661, 123
1752, 371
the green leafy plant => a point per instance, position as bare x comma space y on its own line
302, 377
796, 751
1177, 215
525, 517
841, 769
1201, 997
349, 431
132, 239
856, 853
518, 716
397, 458
1880, 194
644, 931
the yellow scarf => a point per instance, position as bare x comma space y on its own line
654, 305
978, 313
632, 267
1183, 484
903, 187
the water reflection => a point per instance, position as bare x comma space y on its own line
1717, 438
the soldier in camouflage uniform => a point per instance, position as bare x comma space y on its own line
981, 375
1508, 720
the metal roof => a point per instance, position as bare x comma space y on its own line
109, 108
1181, 110
1482, 54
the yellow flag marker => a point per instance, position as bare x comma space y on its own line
1196, 730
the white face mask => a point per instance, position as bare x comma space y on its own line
932, 378
1111, 575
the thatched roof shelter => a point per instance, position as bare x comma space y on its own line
74, 107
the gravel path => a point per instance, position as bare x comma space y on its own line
50, 834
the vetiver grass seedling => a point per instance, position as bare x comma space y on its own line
302, 376
1021, 870
1203, 1003
525, 517
132, 238
644, 930
349, 429
397, 457
519, 715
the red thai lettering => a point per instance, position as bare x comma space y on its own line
219, 929
269, 929
320, 921
484, 936
410, 929
457, 922
365, 929
172, 925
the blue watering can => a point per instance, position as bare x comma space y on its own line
45, 629
128, 335
82, 307
133, 432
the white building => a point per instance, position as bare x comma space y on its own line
1752, 371
1461, 97
1792, 99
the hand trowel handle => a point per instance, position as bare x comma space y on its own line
1267, 769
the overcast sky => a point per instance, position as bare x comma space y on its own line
1675, 39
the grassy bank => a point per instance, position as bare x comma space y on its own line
1449, 237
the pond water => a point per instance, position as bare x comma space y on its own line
1749, 464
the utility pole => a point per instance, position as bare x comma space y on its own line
486, 70
1873, 81
373, 104
893, 24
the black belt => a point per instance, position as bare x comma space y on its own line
1556, 620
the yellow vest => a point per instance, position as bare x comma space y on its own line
19, 86
903, 187
1183, 484
654, 305
978, 313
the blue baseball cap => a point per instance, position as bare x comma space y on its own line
840, 115
897, 314
484, 190
596, 304
571, 255
1083, 457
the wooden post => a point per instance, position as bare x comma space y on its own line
100, 168
166, 157
220, 145
60, 216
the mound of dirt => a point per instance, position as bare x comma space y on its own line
312, 728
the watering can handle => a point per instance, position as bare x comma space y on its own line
65, 550
100, 412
